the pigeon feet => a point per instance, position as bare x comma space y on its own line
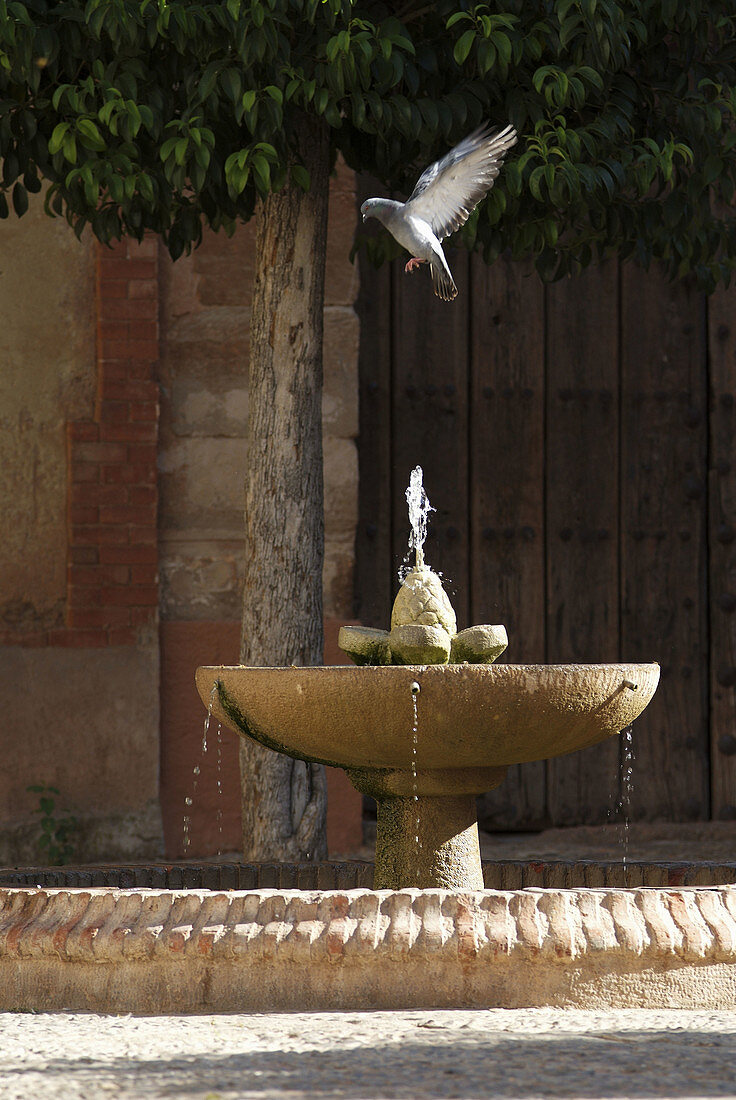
413, 264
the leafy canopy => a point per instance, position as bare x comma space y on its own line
167, 115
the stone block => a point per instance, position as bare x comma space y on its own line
340, 395
341, 276
216, 409
337, 577
225, 267
201, 486
341, 487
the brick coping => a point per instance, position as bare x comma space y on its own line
353, 873
158, 950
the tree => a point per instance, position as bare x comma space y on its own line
167, 116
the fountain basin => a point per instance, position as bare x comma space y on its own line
470, 716
473, 721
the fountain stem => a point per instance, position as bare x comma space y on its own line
428, 842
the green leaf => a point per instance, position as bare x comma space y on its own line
430, 114
232, 84
56, 97
167, 147
464, 45
321, 97
300, 176
69, 148
89, 135
535, 183
458, 17
20, 199
31, 182
262, 173
57, 138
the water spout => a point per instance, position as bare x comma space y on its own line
419, 509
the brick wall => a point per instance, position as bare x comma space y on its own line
112, 556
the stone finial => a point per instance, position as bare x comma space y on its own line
423, 630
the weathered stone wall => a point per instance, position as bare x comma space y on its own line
79, 636
47, 377
205, 308
78, 644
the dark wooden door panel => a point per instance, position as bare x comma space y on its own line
374, 552
663, 551
722, 556
507, 493
430, 417
582, 500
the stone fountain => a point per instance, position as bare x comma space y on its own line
426, 721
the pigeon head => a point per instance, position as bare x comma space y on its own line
377, 208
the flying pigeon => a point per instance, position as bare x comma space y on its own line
445, 196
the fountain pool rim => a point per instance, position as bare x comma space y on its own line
152, 951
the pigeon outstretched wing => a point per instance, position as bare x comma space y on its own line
450, 189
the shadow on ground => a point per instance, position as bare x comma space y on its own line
440, 1061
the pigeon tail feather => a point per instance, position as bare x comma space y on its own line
443, 283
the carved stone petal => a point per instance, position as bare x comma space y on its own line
479, 645
365, 645
413, 644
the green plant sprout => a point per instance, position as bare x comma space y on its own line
57, 833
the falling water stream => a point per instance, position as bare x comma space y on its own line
621, 810
627, 787
415, 689
196, 771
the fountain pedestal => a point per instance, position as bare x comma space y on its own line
428, 842
427, 825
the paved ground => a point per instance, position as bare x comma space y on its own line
713, 841
357, 1056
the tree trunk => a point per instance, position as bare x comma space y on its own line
284, 801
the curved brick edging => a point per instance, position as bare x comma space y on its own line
343, 875
150, 951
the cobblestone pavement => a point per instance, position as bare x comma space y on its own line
325, 1056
